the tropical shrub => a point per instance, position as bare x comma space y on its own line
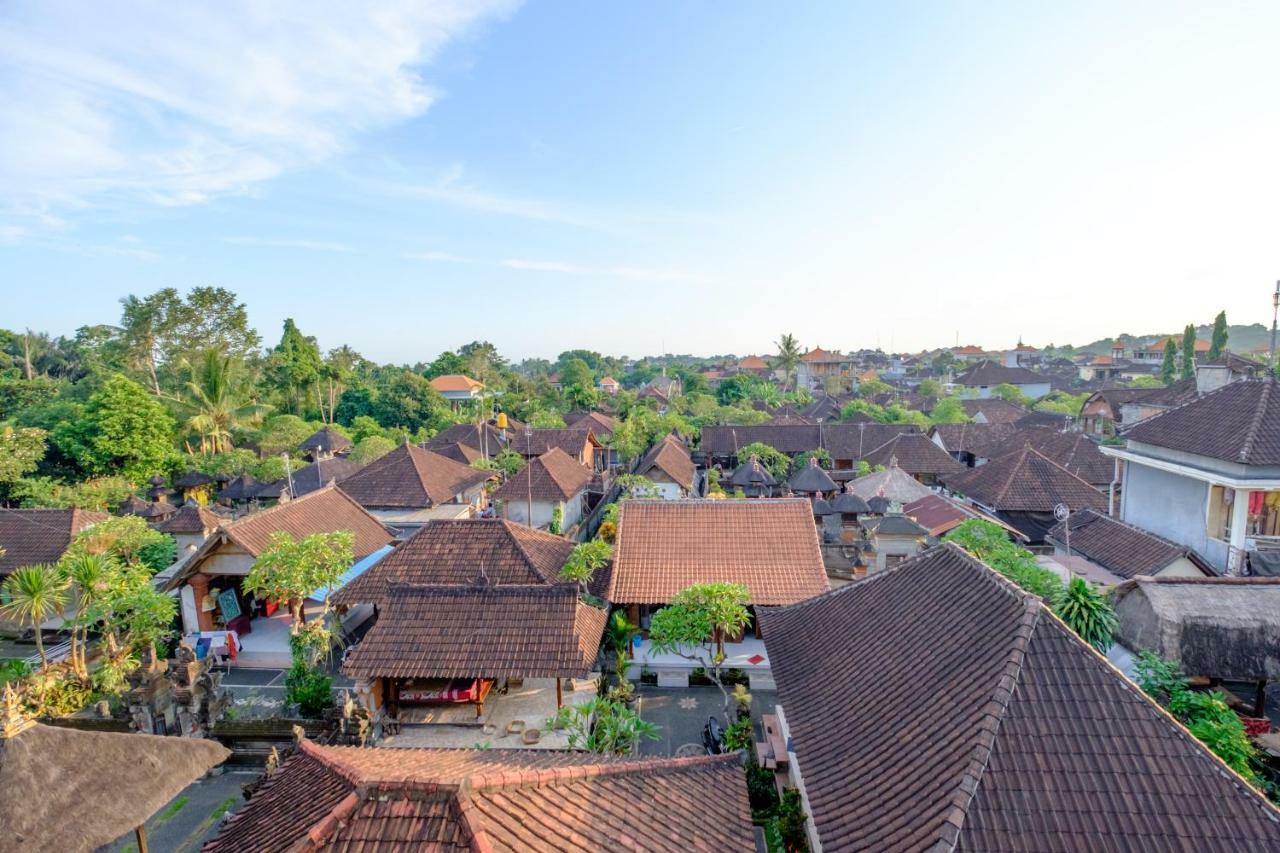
1086, 609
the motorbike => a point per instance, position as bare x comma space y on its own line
713, 736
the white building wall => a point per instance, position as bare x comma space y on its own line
1172, 506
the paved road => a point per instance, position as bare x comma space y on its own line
192, 817
260, 692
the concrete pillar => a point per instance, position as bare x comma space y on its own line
1239, 519
200, 586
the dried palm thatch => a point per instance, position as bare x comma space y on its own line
72, 790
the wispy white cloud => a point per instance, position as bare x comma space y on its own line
634, 273
170, 104
306, 245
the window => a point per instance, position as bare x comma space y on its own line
1218, 521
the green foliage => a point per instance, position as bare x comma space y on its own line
213, 402
33, 594
990, 544
294, 367
20, 451
637, 486
1062, 403
642, 427
509, 463
100, 494
1206, 715
557, 521
1086, 609
283, 434
762, 789
738, 735
873, 387
603, 726
801, 459
546, 419
1188, 352
19, 395
949, 410
697, 616
585, 560
124, 430
777, 462
789, 355
930, 388
127, 539
791, 821
309, 689
1010, 394
1169, 367
371, 448
289, 570
1218, 343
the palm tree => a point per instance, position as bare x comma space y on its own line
35, 593
213, 405
90, 575
788, 355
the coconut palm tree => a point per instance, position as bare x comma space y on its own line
213, 406
35, 593
788, 355
90, 575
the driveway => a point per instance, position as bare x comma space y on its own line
681, 712
193, 817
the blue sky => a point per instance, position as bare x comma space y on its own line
627, 176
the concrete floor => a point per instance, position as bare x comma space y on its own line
534, 702
183, 827
680, 714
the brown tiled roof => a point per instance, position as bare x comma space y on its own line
458, 452
995, 411
939, 515
916, 454
978, 439
553, 476
192, 480
842, 440
571, 440
31, 536
309, 478
384, 799
326, 510
1023, 737
242, 488
489, 438
987, 372
1072, 450
598, 423
1026, 481
189, 519
753, 362
1239, 422
771, 546
327, 440
1044, 420
529, 631
1120, 548
457, 551
411, 476
811, 479
671, 457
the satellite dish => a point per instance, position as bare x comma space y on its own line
1061, 511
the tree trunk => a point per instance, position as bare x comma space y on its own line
44, 660
26, 356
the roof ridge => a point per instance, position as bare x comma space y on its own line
992, 716
1008, 483
1259, 413
550, 776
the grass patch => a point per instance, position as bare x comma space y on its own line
129, 848
171, 810
773, 836
225, 806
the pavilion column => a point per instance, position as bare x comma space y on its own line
200, 588
1239, 520
559, 694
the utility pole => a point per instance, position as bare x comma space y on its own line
1275, 312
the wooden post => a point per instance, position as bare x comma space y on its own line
559, 694
140, 835
1260, 698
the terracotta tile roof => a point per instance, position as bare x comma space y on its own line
987, 372
1072, 450
571, 440
939, 515
456, 552
1120, 548
191, 518
978, 439
915, 454
1239, 422
411, 476
1025, 481
458, 452
771, 546
325, 510
968, 349
753, 362
327, 440
501, 800
995, 411
530, 631
455, 382
31, 536
1024, 738
672, 458
553, 476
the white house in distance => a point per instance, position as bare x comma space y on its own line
670, 468
457, 388
1207, 475
608, 385
549, 482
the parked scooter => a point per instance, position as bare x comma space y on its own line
713, 736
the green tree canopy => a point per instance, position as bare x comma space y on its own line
1169, 366
1188, 352
294, 366
289, 570
124, 430
702, 614
1218, 344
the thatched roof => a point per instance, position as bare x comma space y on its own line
1219, 627
71, 790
